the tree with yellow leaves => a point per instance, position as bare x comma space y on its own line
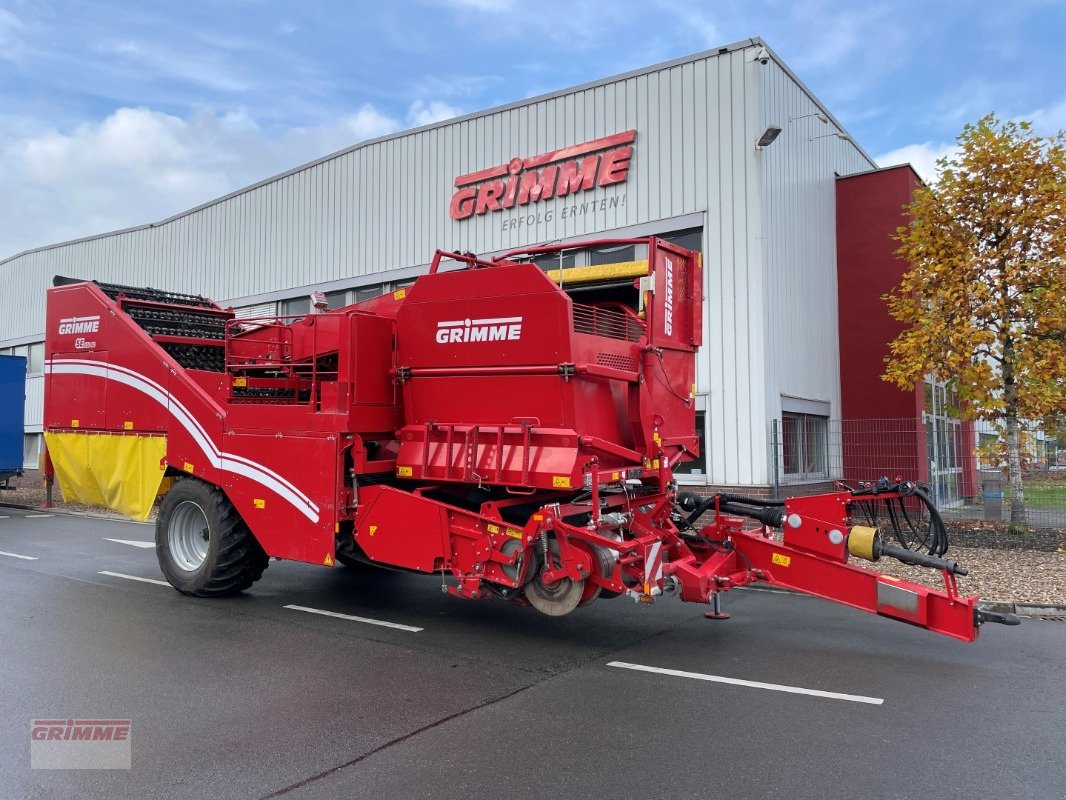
984, 298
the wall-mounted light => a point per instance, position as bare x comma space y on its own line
842, 136
821, 117
768, 137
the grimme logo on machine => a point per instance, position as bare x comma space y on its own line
668, 301
522, 181
501, 329
79, 325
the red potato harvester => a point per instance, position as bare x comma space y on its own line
511, 429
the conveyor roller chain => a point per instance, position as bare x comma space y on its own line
113, 290
263, 392
209, 358
165, 322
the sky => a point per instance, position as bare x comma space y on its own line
121, 113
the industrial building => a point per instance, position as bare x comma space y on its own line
724, 151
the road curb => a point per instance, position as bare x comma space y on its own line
1034, 610
69, 513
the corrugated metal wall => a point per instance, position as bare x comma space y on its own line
799, 217
384, 206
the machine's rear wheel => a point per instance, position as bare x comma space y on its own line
351, 562
204, 547
603, 562
350, 556
554, 599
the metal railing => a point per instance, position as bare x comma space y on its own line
963, 463
260, 351
607, 322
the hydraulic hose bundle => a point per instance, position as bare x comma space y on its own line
768, 512
919, 529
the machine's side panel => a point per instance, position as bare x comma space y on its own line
107, 378
284, 485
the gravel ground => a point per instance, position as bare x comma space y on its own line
1016, 576
1003, 573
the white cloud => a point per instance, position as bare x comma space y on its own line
423, 113
922, 157
1048, 120
140, 165
369, 123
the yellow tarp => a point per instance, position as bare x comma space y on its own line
123, 472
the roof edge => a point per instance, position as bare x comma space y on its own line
889, 168
788, 71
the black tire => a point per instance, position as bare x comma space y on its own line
232, 560
350, 556
351, 562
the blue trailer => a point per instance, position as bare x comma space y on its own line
12, 414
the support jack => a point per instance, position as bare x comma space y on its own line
717, 613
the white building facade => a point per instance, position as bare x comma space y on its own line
369, 218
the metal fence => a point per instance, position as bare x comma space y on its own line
963, 463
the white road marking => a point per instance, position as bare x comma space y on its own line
16, 555
5, 516
135, 578
39, 516
367, 620
773, 687
132, 542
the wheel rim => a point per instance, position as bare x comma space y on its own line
554, 599
189, 536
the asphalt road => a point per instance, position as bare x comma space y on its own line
245, 698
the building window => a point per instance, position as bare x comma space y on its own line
613, 255
805, 446
337, 299
699, 466
691, 239
35, 362
364, 293
294, 306
31, 450
564, 259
